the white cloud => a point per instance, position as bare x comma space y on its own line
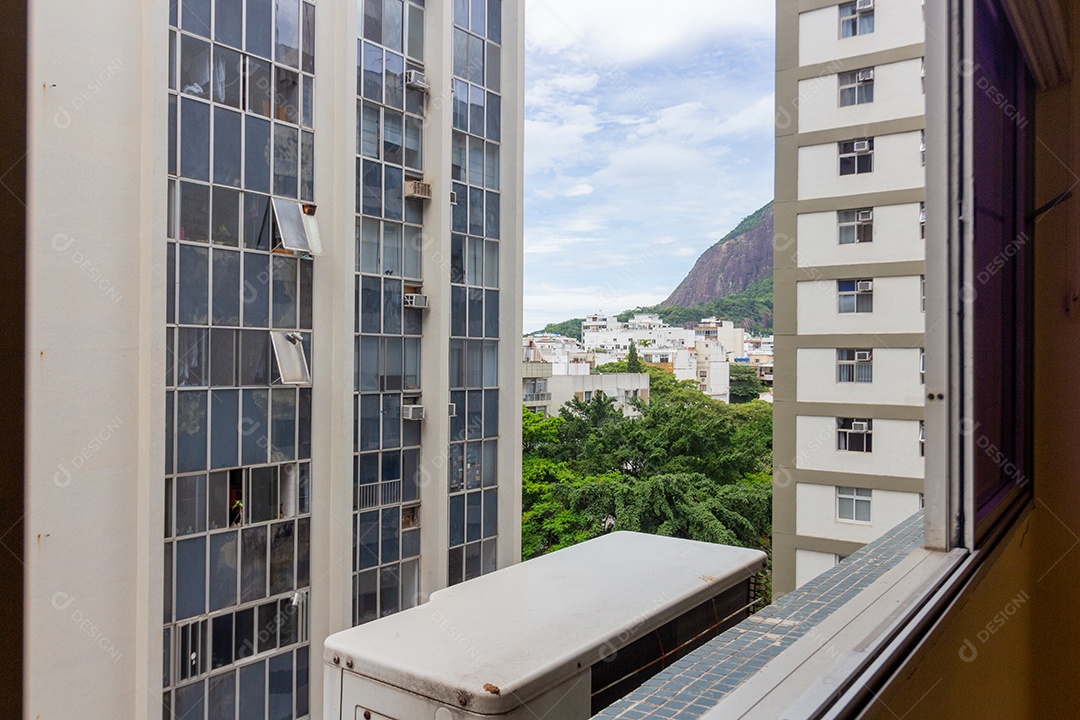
633, 31
579, 190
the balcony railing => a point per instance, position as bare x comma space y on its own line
536, 397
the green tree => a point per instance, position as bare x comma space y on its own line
633, 362
745, 384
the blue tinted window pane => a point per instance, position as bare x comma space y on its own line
369, 422
393, 194
195, 17
253, 690
491, 513
368, 540
373, 72
372, 192
257, 154
221, 700
224, 409
189, 701
223, 560
391, 534
472, 516
253, 426
283, 430
461, 105
494, 117
457, 520
190, 579
281, 687
253, 564
193, 307
190, 431
259, 27
226, 147
302, 682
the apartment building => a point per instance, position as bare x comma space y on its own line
276, 299
849, 268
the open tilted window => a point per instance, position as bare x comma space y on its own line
295, 228
291, 360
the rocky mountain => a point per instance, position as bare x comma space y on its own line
742, 258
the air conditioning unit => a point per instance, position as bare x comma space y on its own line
864, 5
864, 216
416, 79
453, 198
415, 300
451, 410
865, 286
865, 75
412, 412
417, 189
863, 355
862, 146
860, 426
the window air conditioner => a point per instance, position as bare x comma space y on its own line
865, 286
864, 5
416, 79
861, 146
860, 426
417, 189
412, 412
864, 216
865, 75
863, 355
415, 300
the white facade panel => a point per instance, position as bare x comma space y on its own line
897, 166
810, 563
895, 449
897, 94
897, 308
897, 238
817, 513
896, 378
896, 23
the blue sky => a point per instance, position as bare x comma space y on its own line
649, 135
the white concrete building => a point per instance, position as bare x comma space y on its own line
620, 387
849, 267
698, 354
253, 424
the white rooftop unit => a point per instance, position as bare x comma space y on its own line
561, 636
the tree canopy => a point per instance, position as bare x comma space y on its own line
688, 466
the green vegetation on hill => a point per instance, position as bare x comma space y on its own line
568, 328
747, 224
751, 309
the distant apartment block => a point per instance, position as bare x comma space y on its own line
849, 279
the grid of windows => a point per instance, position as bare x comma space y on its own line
854, 434
857, 157
855, 296
854, 366
855, 226
390, 198
856, 87
474, 295
239, 322
854, 504
856, 18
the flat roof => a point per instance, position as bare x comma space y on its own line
503, 639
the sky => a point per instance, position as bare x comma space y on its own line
648, 136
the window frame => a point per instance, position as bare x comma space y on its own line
846, 432
858, 496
